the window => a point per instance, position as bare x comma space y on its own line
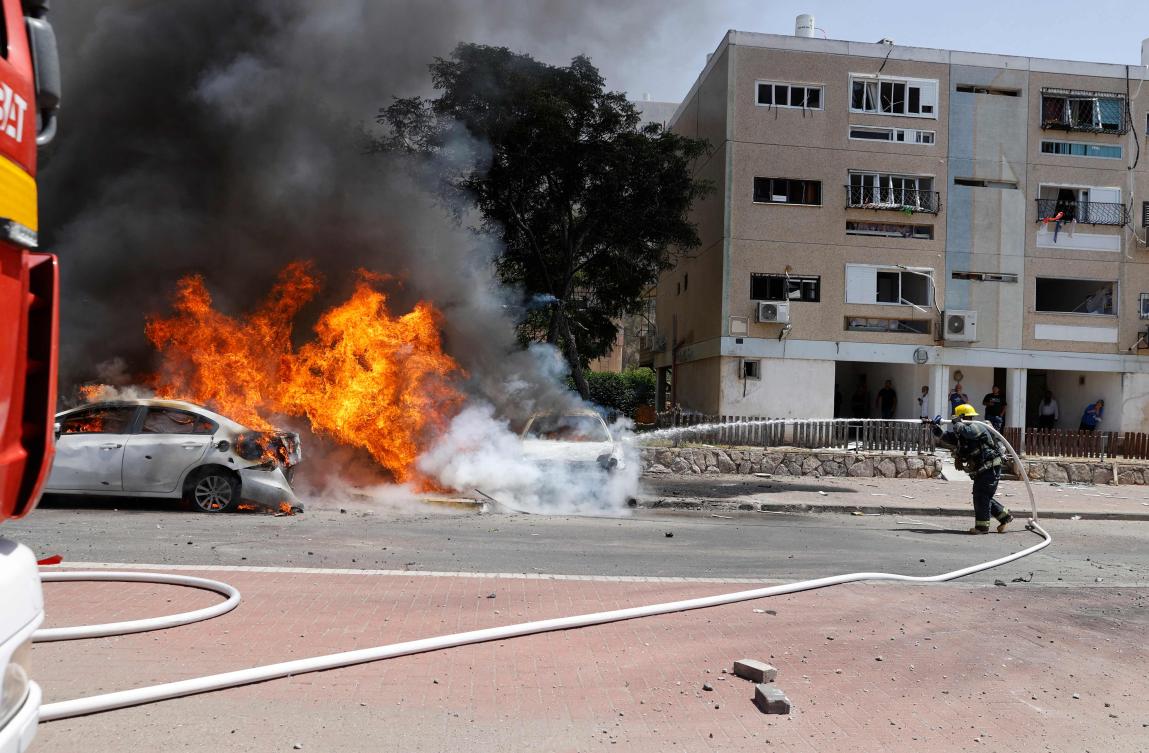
787, 191
786, 287
984, 183
900, 135
751, 369
1143, 306
1145, 214
891, 230
105, 420
805, 96
893, 96
1080, 149
886, 191
985, 276
1068, 296
975, 89
1096, 205
168, 421
889, 285
1074, 110
904, 326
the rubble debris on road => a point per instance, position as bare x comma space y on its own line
755, 671
771, 700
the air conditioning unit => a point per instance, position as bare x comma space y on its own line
773, 313
961, 326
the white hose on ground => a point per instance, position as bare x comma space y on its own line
138, 626
164, 691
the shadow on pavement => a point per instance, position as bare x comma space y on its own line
128, 504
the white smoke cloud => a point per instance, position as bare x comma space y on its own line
480, 453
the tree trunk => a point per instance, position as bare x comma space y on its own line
570, 351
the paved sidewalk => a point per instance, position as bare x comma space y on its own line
731, 492
868, 667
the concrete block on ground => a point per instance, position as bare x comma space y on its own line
755, 671
771, 700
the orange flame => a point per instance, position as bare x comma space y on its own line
369, 379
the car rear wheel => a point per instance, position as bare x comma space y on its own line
214, 491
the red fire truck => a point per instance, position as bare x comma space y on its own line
29, 98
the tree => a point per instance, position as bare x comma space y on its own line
590, 205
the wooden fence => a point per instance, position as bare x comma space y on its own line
1079, 444
754, 431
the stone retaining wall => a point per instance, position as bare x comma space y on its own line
1087, 472
797, 462
788, 462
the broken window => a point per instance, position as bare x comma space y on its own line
99, 421
975, 89
169, 421
787, 191
985, 276
887, 191
751, 369
805, 96
889, 285
900, 135
1074, 110
891, 230
785, 287
1070, 296
893, 96
905, 326
1096, 205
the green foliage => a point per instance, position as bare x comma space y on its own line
590, 205
623, 392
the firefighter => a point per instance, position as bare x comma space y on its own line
976, 451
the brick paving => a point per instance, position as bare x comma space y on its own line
962, 668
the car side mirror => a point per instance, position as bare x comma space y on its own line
223, 445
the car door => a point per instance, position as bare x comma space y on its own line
90, 449
169, 442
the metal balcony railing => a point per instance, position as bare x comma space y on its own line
1089, 212
895, 199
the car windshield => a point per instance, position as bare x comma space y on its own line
568, 428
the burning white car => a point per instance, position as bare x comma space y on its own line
577, 440
172, 449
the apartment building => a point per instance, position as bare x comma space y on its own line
930, 217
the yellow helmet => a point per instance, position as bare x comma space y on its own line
965, 410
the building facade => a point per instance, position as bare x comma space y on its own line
928, 217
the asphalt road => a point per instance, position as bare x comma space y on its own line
771, 547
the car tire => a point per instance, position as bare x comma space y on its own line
213, 491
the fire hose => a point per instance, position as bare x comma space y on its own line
164, 691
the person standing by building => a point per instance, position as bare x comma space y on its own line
994, 404
957, 397
887, 400
1048, 412
977, 453
924, 402
1092, 416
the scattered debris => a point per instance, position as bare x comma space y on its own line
771, 700
490, 596
759, 611
999, 582
1022, 580
857, 512
823, 493
707, 687
724, 517
877, 658
755, 671
670, 534
1075, 517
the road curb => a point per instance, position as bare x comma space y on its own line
1019, 511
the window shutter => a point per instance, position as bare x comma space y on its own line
861, 284
1145, 214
